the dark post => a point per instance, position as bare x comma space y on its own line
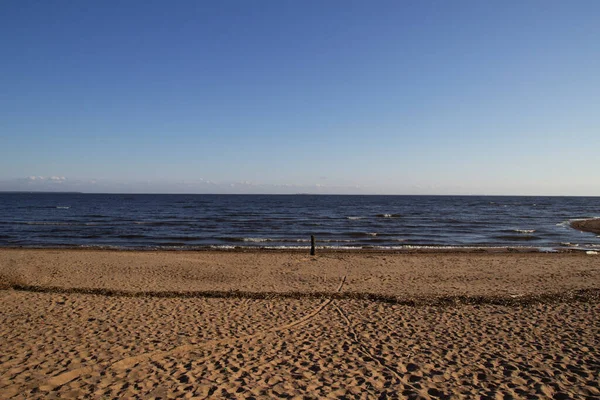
312, 245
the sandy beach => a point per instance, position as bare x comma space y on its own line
108, 324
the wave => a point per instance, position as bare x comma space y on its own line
569, 244
63, 207
317, 247
262, 240
317, 240
180, 246
251, 240
173, 244
524, 230
162, 238
132, 236
361, 234
389, 247
388, 215
55, 223
41, 207
179, 238
222, 247
49, 223
371, 239
162, 223
355, 218
71, 236
185, 238
517, 237
292, 240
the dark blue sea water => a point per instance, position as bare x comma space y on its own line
151, 221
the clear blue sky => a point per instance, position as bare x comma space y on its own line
483, 97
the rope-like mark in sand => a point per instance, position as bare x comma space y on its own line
125, 363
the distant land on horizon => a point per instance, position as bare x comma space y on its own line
39, 191
288, 194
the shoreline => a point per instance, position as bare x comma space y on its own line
408, 249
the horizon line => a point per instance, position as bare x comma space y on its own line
288, 194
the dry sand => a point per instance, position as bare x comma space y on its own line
256, 325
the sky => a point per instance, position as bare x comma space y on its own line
374, 97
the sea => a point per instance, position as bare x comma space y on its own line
341, 222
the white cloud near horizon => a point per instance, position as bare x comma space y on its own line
53, 178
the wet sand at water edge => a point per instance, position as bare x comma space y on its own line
110, 324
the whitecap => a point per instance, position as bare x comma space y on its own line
290, 247
524, 230
222, 247
256, 240
388, 215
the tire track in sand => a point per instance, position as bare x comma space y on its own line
66, 377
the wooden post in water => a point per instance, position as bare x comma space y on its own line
312, 245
